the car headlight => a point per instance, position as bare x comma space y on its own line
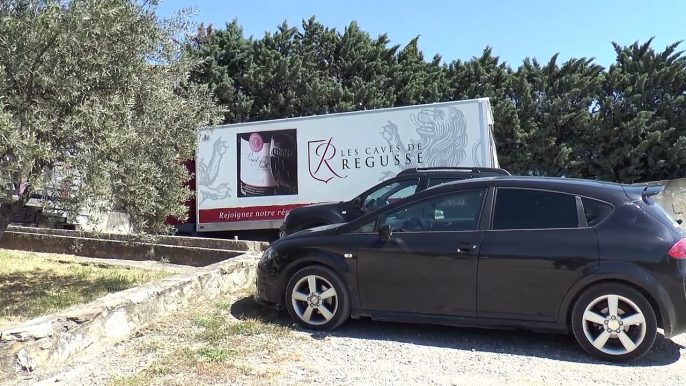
268, 254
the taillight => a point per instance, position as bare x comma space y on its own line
678, 251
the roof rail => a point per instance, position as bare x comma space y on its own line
454, 169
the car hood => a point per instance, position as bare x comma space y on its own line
307, 210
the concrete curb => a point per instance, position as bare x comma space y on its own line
80, 330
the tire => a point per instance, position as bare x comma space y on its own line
593, 327
326, 313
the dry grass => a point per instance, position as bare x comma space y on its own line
226, 341
33, 284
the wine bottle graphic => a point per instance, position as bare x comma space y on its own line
284, 162
255, 176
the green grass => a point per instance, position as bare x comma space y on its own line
216, 348
129, 380
219, 335
250, 327
213, 354
215, 327
34, 284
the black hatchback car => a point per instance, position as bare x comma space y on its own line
601, 260
405, 183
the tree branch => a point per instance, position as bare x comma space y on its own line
34, 67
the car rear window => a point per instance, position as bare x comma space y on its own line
534, 209
596, 211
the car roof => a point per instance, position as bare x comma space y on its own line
613, 193
454, 170
603, 190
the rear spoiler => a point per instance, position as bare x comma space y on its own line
643, 191
652, 190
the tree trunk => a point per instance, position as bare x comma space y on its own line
7, 212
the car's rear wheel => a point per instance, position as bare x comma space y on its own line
614, 322
317, 298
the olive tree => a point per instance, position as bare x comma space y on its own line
95, 108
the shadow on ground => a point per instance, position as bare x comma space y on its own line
246, 308
550, 346
25, 295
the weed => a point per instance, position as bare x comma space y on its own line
250, 327
213, 326
213, 354
129, 380
224, 304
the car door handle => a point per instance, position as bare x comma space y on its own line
465, 247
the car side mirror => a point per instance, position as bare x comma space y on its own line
357, 202
385, 232
679, 221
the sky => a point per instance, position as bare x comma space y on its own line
461, 29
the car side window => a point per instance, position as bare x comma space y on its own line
387, 194
596, 211
449, 212
534, 209
367, 228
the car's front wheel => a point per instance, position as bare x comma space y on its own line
614, 322
317, 298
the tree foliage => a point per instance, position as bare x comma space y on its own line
95, 96
624, 123
94, 101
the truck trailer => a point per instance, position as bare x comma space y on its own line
248, 176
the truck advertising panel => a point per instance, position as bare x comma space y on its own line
250, 175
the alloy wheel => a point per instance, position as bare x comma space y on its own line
614, 324
314, 300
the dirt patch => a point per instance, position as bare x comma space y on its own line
35, 284
216, 343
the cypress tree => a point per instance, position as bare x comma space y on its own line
626, 123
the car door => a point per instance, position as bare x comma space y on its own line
429, 263
536, 248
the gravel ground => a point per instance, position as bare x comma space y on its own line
246, 345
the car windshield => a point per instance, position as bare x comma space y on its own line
389, 193
379, 192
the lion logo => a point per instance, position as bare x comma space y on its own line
442, 138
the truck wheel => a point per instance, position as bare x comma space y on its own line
614, 322
317, 298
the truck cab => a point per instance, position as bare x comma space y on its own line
405, 183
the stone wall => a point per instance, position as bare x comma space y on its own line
77, 331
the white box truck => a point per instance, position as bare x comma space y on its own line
250, 175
